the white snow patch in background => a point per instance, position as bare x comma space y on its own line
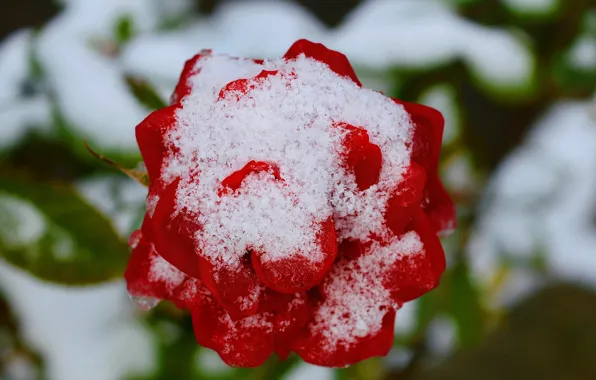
119, 198
209, 362
22, 224
543, 201
304, 371
441, 336
531, 6
405, 318
379, 34
18, 114
442, 98
583, 52
14, 63
89, 87
83, 333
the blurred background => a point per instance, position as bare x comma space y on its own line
515, 80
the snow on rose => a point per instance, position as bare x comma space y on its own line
289, 208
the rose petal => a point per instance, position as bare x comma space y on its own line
174, 232
406, 200
237, 289
296, 273
150, 134
247, 342
439, 207
242, 86
183, 87
414, 275
335, 60
362, 157
147, 273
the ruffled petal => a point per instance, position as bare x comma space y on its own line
147, 273
174, 232
236, 288
353, 319
361, 157
335, 60
150, 134
241, 87
190, 69
296, 273
439, 207
418, 272
247, 342
406, 200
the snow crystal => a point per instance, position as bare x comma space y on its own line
164, 272
288, 122
355, 293
22, 224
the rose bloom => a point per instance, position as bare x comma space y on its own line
289, 208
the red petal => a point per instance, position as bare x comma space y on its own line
439, 207
150, 135
312, 349
406, 200
244, 343
416, 274
426, 151
335, 60
183, 87
297, 273
174, 232
354, 317
243, 86
428, 135
290, 313
234, 180
147, 273
361, 156
238, 290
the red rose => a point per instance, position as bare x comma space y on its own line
289, 208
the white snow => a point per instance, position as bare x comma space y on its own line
405, 320
442, 98
543, 202
441, 336
83, 333
89, 86
289, 120
18, 114
355, 292
163, 271
531, 6
378, 35
118, 197
304, 371
583, 52
22, 224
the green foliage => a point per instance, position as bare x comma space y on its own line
49, 231
124, 30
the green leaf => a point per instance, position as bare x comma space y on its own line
145, 93
51, 232
465, 306
124, 30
